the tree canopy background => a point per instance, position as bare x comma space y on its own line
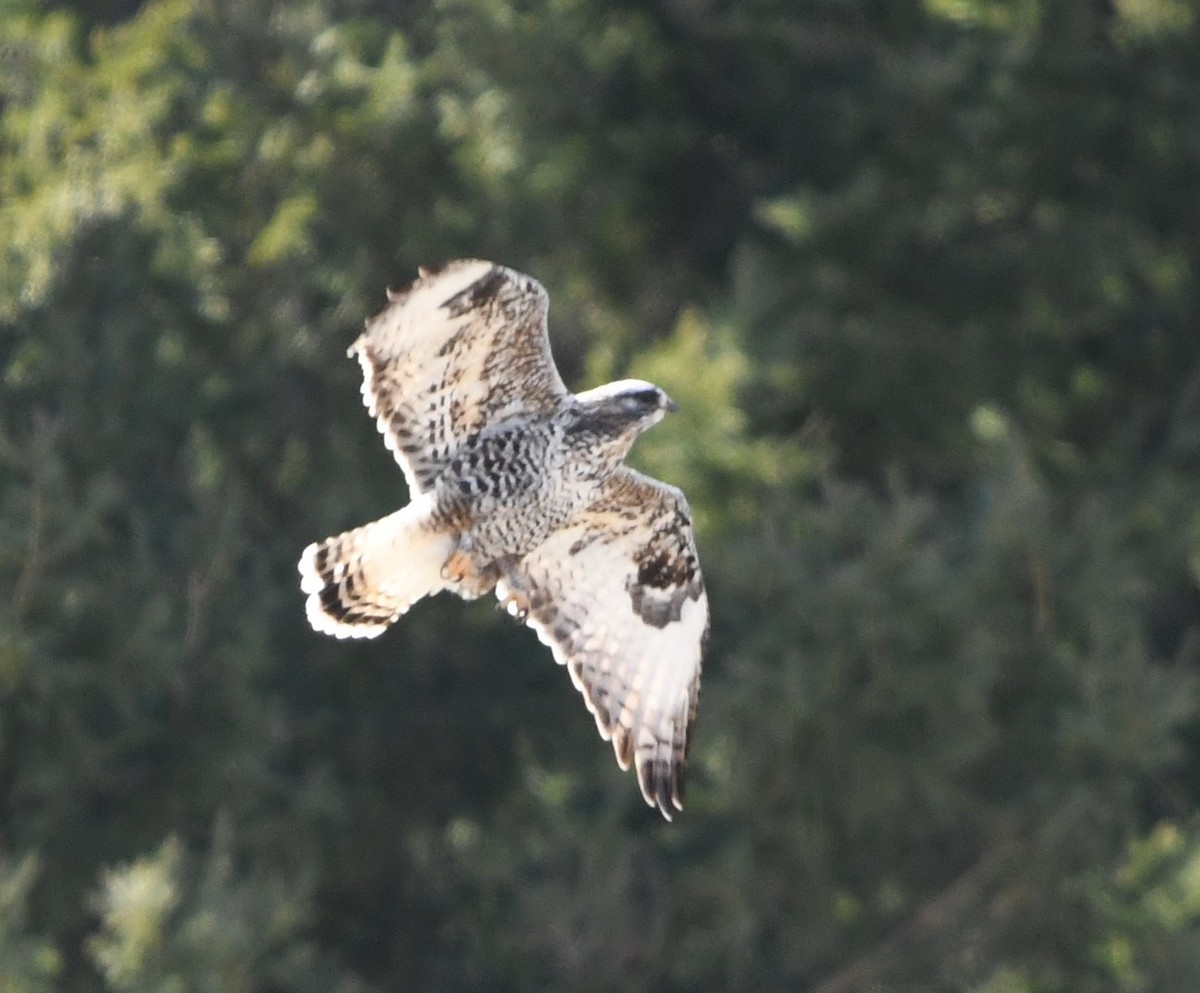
924, 276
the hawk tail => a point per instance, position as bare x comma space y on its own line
362, 580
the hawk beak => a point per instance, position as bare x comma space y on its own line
669, 405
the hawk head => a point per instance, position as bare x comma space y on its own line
621, 410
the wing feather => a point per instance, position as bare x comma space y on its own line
463, 347
619, 597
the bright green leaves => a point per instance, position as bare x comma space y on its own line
29, 962
1151, 906
173, 921
90, 140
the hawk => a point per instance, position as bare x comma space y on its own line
519, 487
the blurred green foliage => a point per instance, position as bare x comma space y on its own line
925, 278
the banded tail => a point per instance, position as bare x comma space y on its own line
362, 580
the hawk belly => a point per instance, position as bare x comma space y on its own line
510, 489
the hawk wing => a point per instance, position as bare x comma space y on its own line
462, 347
618, 596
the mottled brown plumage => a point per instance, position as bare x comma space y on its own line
518, 486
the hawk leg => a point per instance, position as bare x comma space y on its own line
457, 567
512, 593
470, 580
515, 603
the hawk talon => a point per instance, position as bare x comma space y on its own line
470, 578
515, 604
457, 567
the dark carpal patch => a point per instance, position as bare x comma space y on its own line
660, 607
668, 575
663, 568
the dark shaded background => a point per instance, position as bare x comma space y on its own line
925, 277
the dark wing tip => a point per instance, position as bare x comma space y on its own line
663, 795
677, 790
396, 294
622, 739
660, 777
661, 785
426, 272
429, 271
477, 294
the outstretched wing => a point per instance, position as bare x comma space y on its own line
618, 596
463, 347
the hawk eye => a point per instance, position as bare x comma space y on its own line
646, 398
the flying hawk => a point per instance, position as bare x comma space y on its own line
518, 486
